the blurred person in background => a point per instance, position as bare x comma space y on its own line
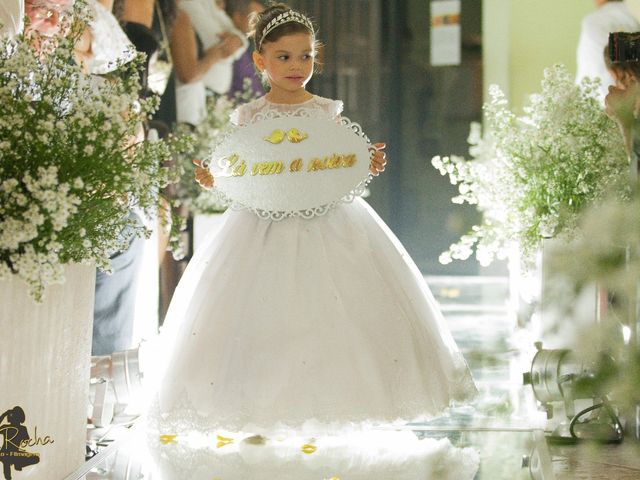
243, 68
198, 66
610, 16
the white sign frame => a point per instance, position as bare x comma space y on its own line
287, 165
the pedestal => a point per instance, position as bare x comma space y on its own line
45, 352
560, 329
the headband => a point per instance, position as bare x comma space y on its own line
286, 17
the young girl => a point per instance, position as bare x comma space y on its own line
320, 323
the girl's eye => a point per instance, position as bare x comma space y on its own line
283, 57
308, 56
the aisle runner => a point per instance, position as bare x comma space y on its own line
376, 455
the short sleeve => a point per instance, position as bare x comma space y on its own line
244, 113
333, 108
241, 115
338, 107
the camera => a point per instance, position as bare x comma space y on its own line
559, 377
624, 47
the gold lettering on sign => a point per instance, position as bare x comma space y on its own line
296, 165
267, 168
235, 165
332, 162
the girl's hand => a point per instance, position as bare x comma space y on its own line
203, 175
378, 160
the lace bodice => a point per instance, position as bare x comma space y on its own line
245, 113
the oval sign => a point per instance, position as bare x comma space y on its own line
292, 164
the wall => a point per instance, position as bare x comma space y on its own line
523, 37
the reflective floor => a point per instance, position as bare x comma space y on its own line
500, 436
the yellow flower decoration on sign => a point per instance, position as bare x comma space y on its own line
309, 449
296, 136
277, 136
166, 439
223, 441
293, 135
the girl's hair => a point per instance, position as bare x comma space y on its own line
259, 21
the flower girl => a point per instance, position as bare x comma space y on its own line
303, 324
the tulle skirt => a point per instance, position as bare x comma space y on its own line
304, 324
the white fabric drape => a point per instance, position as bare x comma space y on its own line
11, 17
109, 43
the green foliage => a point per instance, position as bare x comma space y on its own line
531, 176
205, 137
71, 168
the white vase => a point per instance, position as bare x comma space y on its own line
45, 352
560, 329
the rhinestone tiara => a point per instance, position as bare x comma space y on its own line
286, 17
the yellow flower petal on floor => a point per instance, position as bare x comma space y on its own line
222, 441
309, 449
166, 439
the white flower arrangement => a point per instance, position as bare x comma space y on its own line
530, 176
69, 168
205, 136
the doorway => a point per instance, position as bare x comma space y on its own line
376, 59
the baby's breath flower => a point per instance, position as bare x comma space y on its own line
532, 175
60, 129
216, 123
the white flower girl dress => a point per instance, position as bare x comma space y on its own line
319, 324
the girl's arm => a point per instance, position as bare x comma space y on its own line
184, 49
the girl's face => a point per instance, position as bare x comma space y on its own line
287, 62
